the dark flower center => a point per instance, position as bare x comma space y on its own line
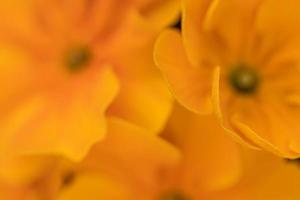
294, 161
243, 79
174, 196
77, 57
68, 178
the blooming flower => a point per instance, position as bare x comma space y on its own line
143, 166
202, 163
239, 59
137, 155
59, 72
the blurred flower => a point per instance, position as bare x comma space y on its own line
239, 59
144, 166
59, 71
216, 168
202, 164
132, 169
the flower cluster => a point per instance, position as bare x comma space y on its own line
149, 99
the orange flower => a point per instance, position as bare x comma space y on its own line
144, 166
129, 170
239, 59
60, 72
206, 165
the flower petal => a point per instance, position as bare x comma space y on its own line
269, 126
144, 98
160, 13
66, 122
144, 156
218, 109
284, 25
265, 177
231, 20
94, 187
33, 167
192, 23
211, 158
190, 84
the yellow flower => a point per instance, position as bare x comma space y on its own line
205, 164
144, 166
60, 70
239, 59
126, 165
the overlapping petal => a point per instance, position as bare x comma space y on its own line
211, 160
138, 159
220, 37
48, 109
181, 75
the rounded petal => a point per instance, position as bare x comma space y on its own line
143, 155
189, 84
67, 122
144, 98
130, 163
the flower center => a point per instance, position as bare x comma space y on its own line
243, 79
68, 178
173, 196
77, 57
293, 161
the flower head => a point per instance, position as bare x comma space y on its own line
195, 161
61, 69
239, 59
